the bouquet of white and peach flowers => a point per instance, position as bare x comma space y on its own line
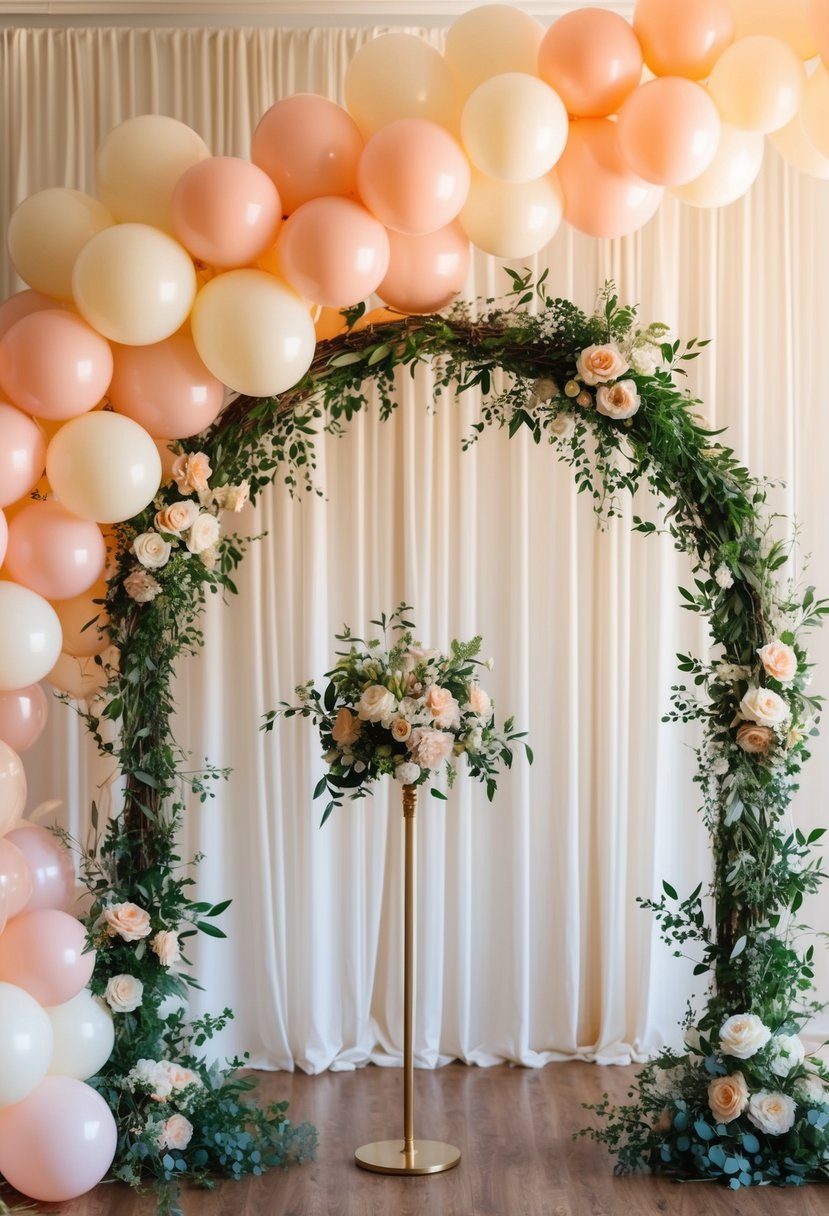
398, 709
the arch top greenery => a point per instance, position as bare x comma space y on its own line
744, 1103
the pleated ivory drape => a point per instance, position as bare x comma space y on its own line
531, 945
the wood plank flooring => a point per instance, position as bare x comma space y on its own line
514, 1127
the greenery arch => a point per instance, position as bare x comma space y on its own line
603, 391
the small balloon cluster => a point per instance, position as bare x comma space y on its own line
57, 1134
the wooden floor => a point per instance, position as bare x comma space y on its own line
514, 1128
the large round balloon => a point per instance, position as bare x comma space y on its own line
83, 622
50, 867
226, 211
53, 365
12, 789
592, 59
399, 76
683, 39
426, 272
103, 467
22, 454
166, 387
83, 1036
134, 284
669, 130
23, 304
4, 537
514, 127
757, 84
82, 679
58, 1142
43, 953
798, 150
413, 176
791, 22
309, 147
731, 172
29, 637
16, 883
818, 11
815, 110
47, 231
602, 196
252, 332
490, 40
332, 251
53, 552
23, 714
25, 1044
138, 164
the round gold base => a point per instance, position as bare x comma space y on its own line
390, 1157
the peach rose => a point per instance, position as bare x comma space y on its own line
177, 518
346, 728
166, 945
429, 748
728, 1097
124, 993
400, 730
479, 701
619, 401
127, 921
152, 550
141, 586
443, 706
755, 739
764, 707
203, 533
177, 1132
179, 1076
598, 364
779, 661
376, 703
584, 399
191, 472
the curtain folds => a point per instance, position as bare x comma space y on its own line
531, 945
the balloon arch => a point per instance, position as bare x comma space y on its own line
163, 365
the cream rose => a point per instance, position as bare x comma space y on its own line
400, 730
728, 1097
598, 364
764, 707
124, 993
645, 359
406, 773
346, 728
127, 921
812, 1089
479, 701
562, 425
755, 739
618, 402
542, 390
152, 550
442, 706
234, 498
743, 1035
166, 945
141, 586
177, 518
772, 1113
153, 1075
204, 533
177, 1132
191, 472
779, 661
429, 748
376, 704
786, 1052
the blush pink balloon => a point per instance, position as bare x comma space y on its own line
592, 58
226, 211
165, 387
54, 365
425, 272
50, 867
333, 252
413, 176
22, 304
15, 878
22, 454
43, 953
13, 788
58, 1142
23, 714
602, 196
309, 147
669, 131
53, 552
683, 39
4, 537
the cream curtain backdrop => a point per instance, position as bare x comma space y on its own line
531, 946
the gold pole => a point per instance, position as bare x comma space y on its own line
414, 1156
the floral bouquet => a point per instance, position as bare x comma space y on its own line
400, 710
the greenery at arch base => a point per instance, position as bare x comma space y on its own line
619, 419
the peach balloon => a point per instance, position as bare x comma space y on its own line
512, 219
790, 21
413, 176
309, 147
757, 84
514, 127
731, 172
819, 15
12, 787
81, 679
138, 164
426, 272
81, 620
22, 454
23, 714
22, 304
4, 537
47, 232
669, 130
58, 1142
399, 76
166, 388
491, 40
15, 878
592, 58
53, 552
332, 251
53, 365
134, 284
103, 467
42, 952
815, 110
375, 317
168, 456
50, 866
683, 39
328, 323
29, 637
602, 196
226, 211
797, 149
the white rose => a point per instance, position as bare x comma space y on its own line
124, 993
743, 1035
723, 577
764, 707
562, 424
786, 1053
731, 673
204, 533
407, 774
811, 1090
772, 1113
376, 704
645, 359
542, 390
667, 1081
153, 1075
152, 550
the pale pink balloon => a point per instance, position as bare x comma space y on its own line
53, 552
23, 714
165, 387
602, 196
592, 58
13, 788
58, 1142
54, 365
226, 211
669, 131
43, 953
4, 537
413, 176
22, 454
22, 304
309, 147
50, 866
426, 272
332, 251
15, 877
683, 39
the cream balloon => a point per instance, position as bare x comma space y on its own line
134, 284
47, 232
491, 40
512, 219
25, 1044
798, 150
81, 679
12, 797
103, 466
253, 333
815, 110
787, 20
757, 84
399, 76
30, 637
139, 163
83, 1036
731, 172
514, 127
